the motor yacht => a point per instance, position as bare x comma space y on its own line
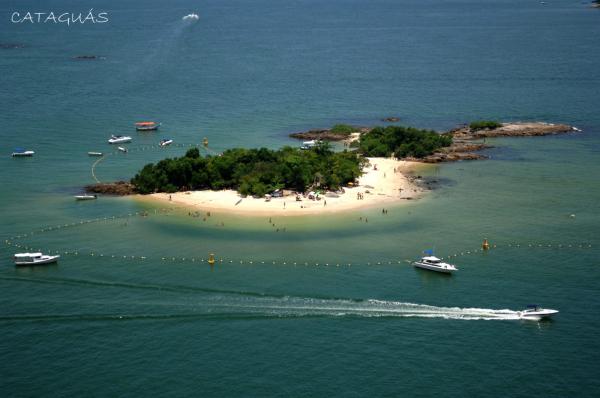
20, 152
165, 142
433, 263
95, 154
34, 259
119, 139
536, 313
86, 197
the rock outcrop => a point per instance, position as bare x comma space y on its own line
120, 188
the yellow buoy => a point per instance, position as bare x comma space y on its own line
485, 245
205, 141
211, 259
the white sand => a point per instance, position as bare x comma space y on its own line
379, 187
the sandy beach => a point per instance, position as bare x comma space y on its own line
384, 182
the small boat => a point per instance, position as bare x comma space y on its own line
122, 149
165, 142
20, 152
433, 263
147, 126
536, 313
34, 259
119, 139
95, 154
86, 197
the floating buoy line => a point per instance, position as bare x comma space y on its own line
214, 259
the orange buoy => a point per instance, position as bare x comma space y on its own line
485, 245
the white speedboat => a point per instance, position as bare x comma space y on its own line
122, 149
536, 313
86, 197
165, 142
95, 154
435, 264
34, 259
119, 139
20, 152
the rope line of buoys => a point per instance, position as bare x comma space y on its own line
212, 259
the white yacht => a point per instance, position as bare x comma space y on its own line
86, 197
165, 142
435, 264
20, 152
95, 154
34, 259
119, 139
122, 149
536, 313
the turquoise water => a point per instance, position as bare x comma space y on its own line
247, 74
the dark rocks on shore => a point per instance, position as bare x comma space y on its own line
325, 134
119, 188
463, 147
391, 119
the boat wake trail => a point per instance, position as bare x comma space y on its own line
298, 307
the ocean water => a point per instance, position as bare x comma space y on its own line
137, 312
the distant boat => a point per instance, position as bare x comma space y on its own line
147, 126
535, 313
86, 197
20, 152
432, 263
95, 154
34, 259
119, 139
165, 142
122, 149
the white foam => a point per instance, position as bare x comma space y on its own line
191, 17
299, 306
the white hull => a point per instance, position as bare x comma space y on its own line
434, 268
85, 197
537, 315
119, 140
95, 154
22, 154
39, 261
165, 143
122, 149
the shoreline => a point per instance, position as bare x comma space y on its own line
388, 185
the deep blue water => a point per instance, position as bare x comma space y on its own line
247, 74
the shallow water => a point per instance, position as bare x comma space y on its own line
362, 321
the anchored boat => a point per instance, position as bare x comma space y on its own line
535, 313
20, 152
86, 197
147, 126
34, 259
119, 139
95, 154
433, 263
122, 149
165, 142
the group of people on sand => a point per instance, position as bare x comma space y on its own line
360, 196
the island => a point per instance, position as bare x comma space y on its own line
378, 167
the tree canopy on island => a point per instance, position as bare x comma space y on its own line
402, 142
484, 124
252, 171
